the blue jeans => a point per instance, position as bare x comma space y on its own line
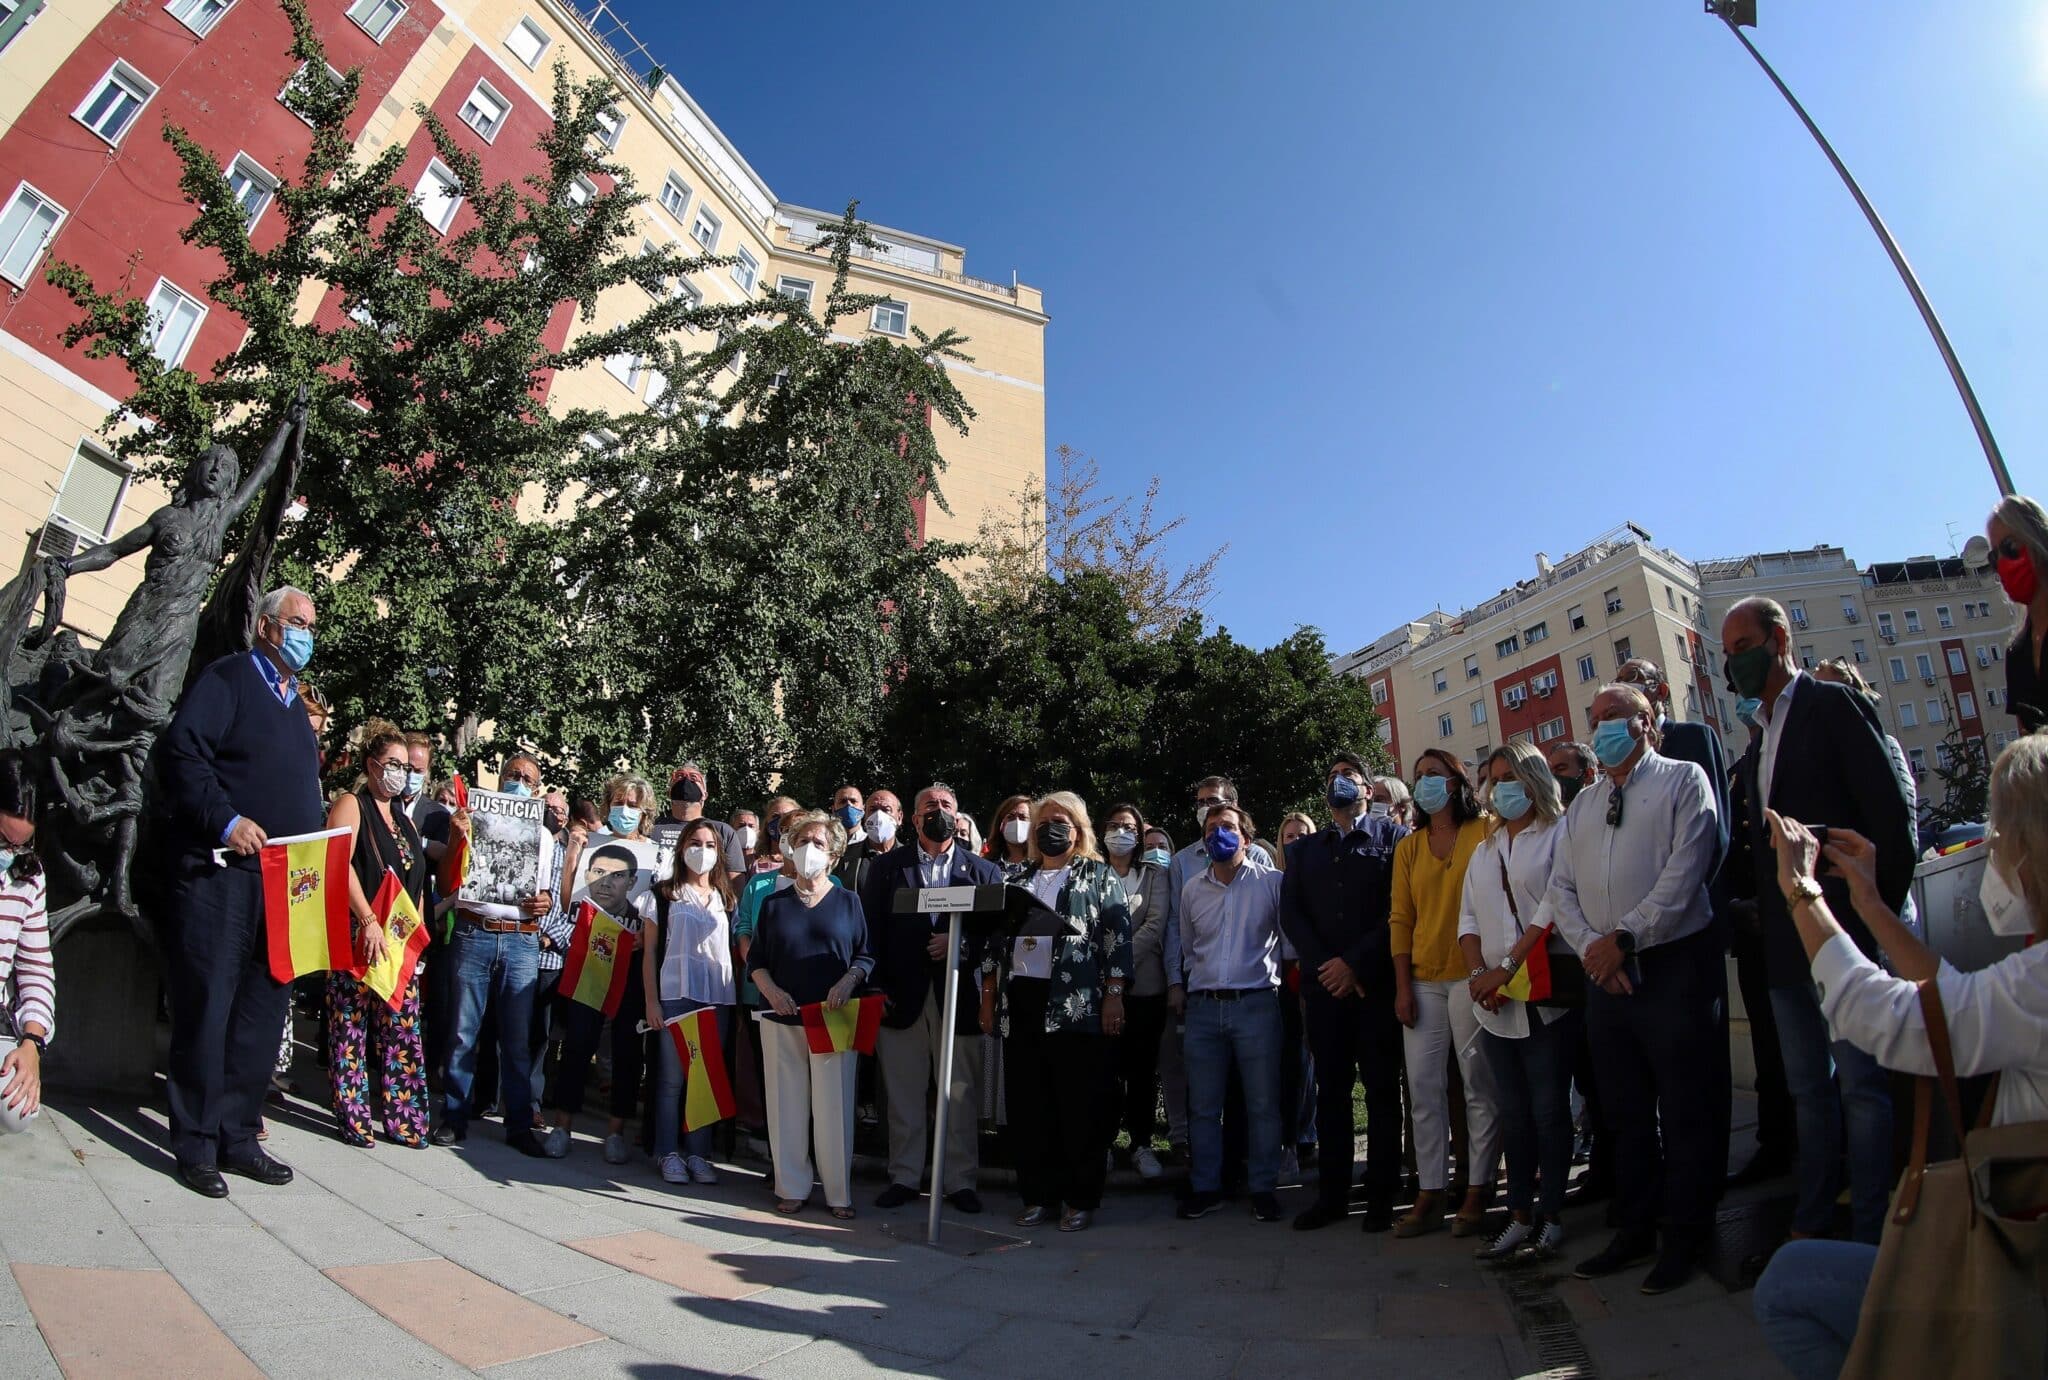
1246, 1032
1814, 1067
488, 965
1532, 1087
668, 1085
1807, 1303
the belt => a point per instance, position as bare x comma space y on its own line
1231, 993
489, 926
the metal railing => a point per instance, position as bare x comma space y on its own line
806, 241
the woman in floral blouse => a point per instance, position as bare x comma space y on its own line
1058, 1003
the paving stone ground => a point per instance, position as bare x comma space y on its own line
397, 1262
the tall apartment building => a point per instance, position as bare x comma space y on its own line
87, 86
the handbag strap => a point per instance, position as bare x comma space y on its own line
1935, 1017
1500, 856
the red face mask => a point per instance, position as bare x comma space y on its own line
2019, 577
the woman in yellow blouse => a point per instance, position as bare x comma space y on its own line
1431, 997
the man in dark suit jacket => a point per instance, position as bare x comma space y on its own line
1820, 759
910, 954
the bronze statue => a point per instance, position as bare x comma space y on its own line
89, 719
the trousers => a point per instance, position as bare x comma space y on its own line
1445, 1028
910, 1060
1355, 1038
1835, 1087
226, 1011
363, 1032
1532, 1087
1058, 1086
810, 1103
487, 965
1247, 1035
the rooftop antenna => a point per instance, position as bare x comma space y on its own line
1953, 549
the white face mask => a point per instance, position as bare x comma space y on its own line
810, 860
1202, 816
1017, 830
393, 779
1122, 842
699, 857
881, 828
1379, 809
747, 835
2005, 909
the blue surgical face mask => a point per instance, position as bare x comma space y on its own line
1432, 793
1343, 794
1510, 799
849, 817
518, 788
1745, 710
296, 648
6, 861
415, 782
1158, 857
623, 819
1612, 742
1224, 843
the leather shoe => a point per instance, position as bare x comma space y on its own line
1318, 1217
1673, 1268
528, 1144
263, 1169
895, 1196
1376, 1218
1076, 1220
1626, 1249
448, 1133
203, 1179
1033, 1217
965, 1200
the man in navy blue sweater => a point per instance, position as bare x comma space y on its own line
238, 765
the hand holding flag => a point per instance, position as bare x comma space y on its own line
305, 903
850, 1026
707, 1092
389, 973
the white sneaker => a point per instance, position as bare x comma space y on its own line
615, 1151
1507, 1242
1146, 1163
673, 1168
1290, 1167
1548, 1240
555, 1144
701, 1171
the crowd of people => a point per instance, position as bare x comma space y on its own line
1484, 947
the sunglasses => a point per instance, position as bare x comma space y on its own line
2010, 549
1614, 810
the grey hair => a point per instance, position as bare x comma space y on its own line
917, 801
274, 602
2025, 519
1769, 614
1398, 793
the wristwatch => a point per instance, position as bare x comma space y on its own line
1805, 891
1115, 989
1625, 941
1509, 964
1475, 972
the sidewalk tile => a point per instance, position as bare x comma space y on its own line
127, 1322
1655, 1342
921, 1325
462, 1315
70, 1224
503, 1254
148, 1197
543, 1214
1092, 1300
368, 1345
827, 1359
709, 1274
24, 1355
326, 1231
1038, 1347
606, 1360
244, 1276
1440, 1358
1315, 1315
652, 1317
1445, 1313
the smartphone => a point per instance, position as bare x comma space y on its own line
1820, 834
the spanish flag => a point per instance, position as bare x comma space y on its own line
852, 1026
599, 960
405, 939
305, 903
454, 870
707, 1092
1531, 981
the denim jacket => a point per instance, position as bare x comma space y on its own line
1083, 964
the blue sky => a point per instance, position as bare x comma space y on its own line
1394, 296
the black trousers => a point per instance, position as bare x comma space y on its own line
225, 1015
1355, 1037
1654, 1059
1776, 1132
582, 1028
1296, 1068
1137, 1068
1058, 1090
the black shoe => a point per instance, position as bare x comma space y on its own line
1305, 1155
203, 1179
1265, 1207
448, 1133
964, 1200
1592, 1188
1763, 1167
526, 1143
262, 1168
1376, 1218
1318, 1217
1626, 1249
1198, 1204
895, 1196
1673, 1268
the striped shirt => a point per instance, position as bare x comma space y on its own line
28, 981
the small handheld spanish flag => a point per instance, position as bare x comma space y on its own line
707, 1092
405, 939
305, 903
454, 869
1531, 981
599, 960
852, 1026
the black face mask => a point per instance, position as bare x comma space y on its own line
1055, 837
937, 825
1569, 787
688, 791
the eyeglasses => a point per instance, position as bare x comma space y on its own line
521, 777
2010, 549
1614, 810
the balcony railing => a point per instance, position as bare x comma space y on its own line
806, 241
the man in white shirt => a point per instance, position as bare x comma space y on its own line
1629, 894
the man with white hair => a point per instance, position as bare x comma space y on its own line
239, 765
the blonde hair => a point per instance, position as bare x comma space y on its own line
1084, 829
2019, 818
792, 825
642, 795
1529, 768
1279, 848
2025, 519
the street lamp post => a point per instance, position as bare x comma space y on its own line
1741, 14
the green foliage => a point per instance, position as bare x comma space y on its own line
1965, 781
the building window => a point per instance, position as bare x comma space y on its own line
1984, 610
1994, 697
627, 369
297, 91
1379, 692
796, 289
1849, 614
1942, 757
1956, 664
1478, 712
1983, 656
1898, 664
1806, 655
376, 17
1536, 634
174, 317
1442, 681
1909, 717
1545, 683
89, 499
581, 191
1670, 599
197, 15
746, 271
1935, 713
1549, 729
113, 105
26, 228
1586, 669
1925, 663
1797, 611
1966, 705
1943, 616
610, 121
1621, 651
438, 195
1576, 616
250, 183
704, 230
1918, 757
1443, 726
675, 196
1859, 650
891, 318
1507, 646
1912, 620
1996, 652
1514, 696
485, 111
528, 41
1884, 628
1613, 598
